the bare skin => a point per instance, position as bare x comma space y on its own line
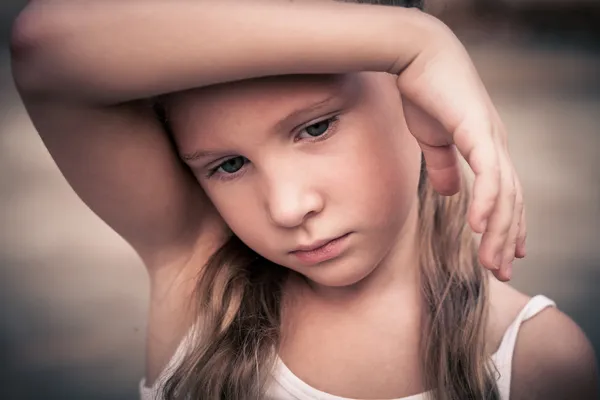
114, 153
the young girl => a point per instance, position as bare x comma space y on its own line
287, 172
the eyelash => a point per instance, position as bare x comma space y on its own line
333, 122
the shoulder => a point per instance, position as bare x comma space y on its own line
553, 359
504, 307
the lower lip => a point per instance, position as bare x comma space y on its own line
326, 252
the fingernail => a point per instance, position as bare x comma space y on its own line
498, 261
509, 270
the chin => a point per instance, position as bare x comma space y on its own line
337, 276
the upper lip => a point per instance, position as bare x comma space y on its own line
315, 245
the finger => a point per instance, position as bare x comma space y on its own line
443, 169
484, 257
522, 235
500, 222
498, 274
511, 241
481, 155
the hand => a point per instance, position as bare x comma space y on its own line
447, 108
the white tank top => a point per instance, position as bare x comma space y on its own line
287, 386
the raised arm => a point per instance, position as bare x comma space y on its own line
82, 69
113, 51
93, 56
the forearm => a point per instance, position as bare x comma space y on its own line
115, 51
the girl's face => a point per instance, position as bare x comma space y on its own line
292, 162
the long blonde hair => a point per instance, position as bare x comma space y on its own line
238, 297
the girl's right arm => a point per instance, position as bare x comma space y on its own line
82, 68
107, 52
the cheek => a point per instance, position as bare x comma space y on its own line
235, 204
383, 179
387, 158
242, 209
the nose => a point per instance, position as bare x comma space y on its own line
292, 198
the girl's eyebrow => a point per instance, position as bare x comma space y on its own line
291, 120
196, 155
300, 114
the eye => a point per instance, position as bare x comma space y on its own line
321, 128
318, 129
230, 166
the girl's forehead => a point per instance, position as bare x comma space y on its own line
258, 96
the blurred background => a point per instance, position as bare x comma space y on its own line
73, 296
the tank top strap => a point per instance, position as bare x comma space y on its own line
503, 357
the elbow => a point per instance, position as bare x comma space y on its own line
23, 34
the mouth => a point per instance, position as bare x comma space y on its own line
321, 250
